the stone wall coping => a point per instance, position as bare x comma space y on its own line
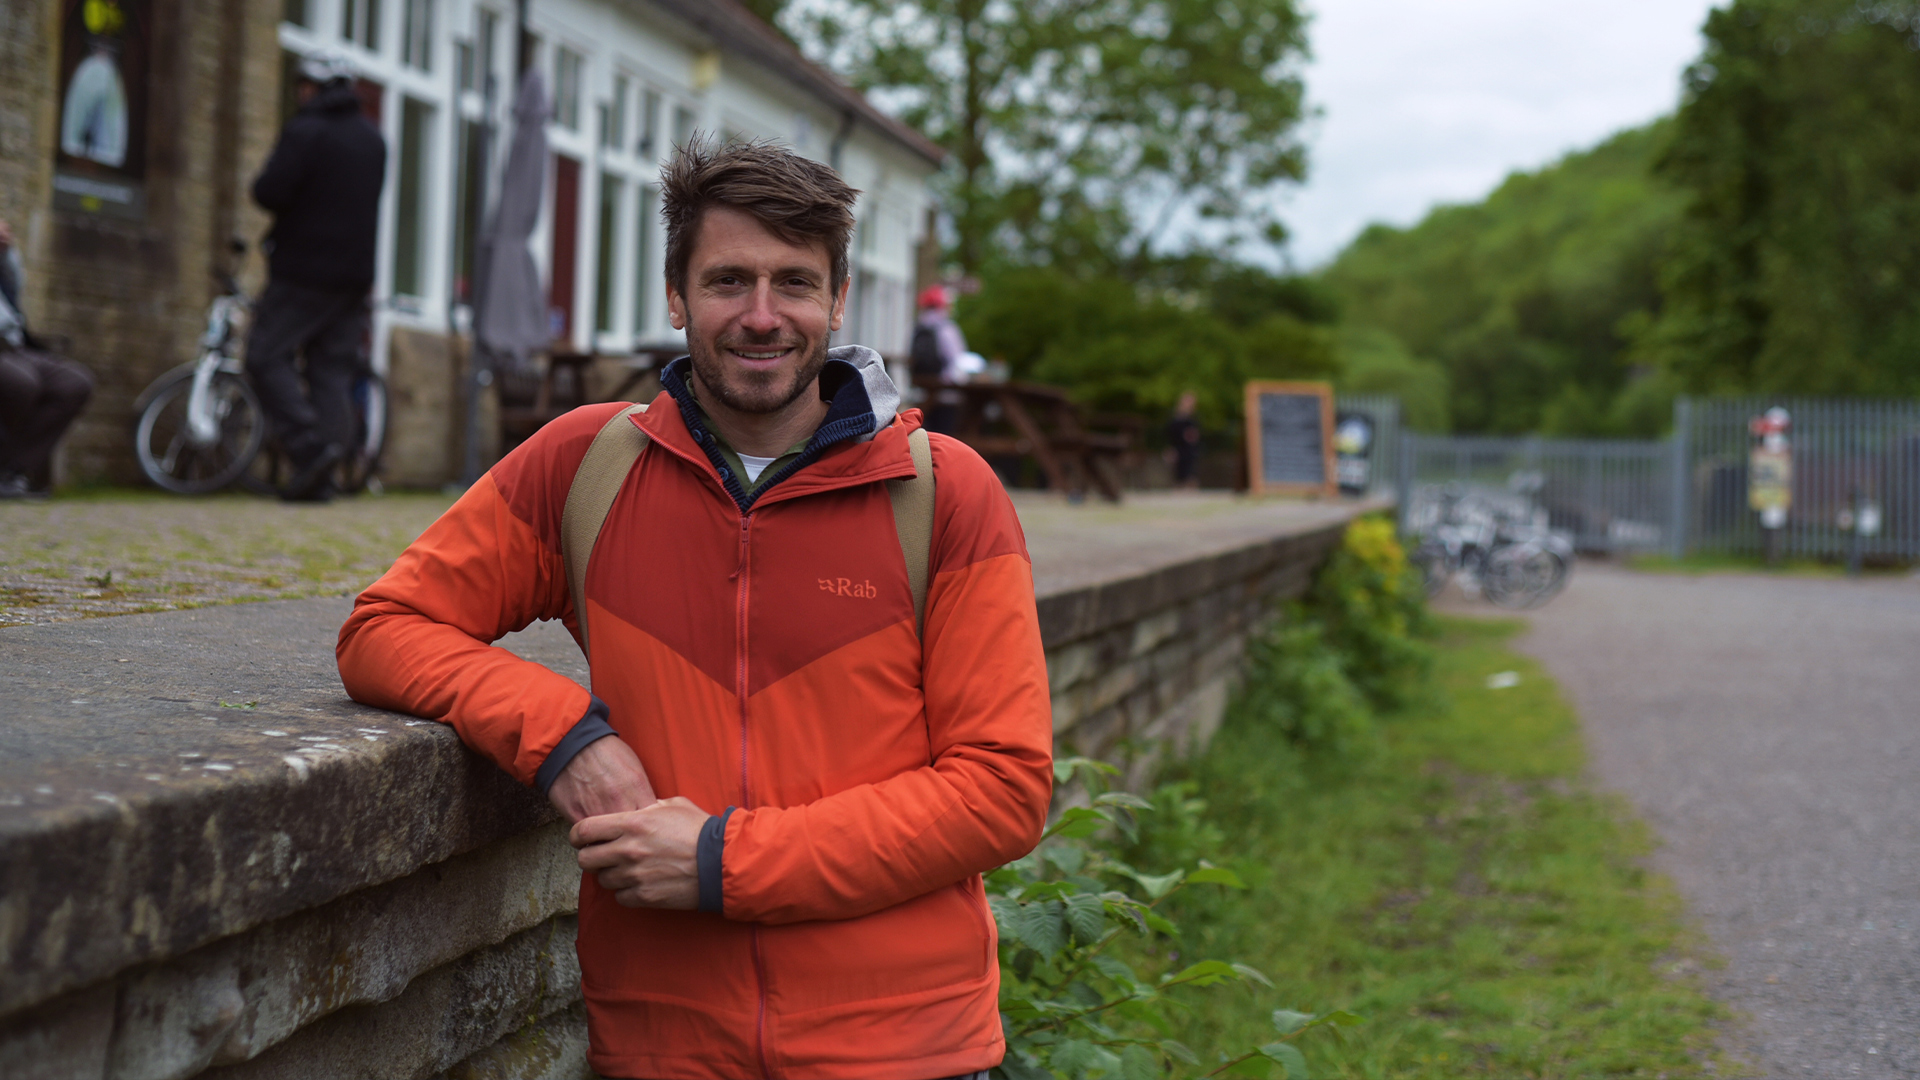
170, 779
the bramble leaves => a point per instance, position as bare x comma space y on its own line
1288, 1057
1073, 1009
1216, 875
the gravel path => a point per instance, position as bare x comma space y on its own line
1768, 728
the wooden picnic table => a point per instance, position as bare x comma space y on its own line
1042, 422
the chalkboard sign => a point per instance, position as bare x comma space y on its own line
1290, 438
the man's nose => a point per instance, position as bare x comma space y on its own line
761, 317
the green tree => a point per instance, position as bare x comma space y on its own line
1128, 347
1084, 132
1524, 300
1797, 264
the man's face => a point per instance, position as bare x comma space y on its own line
757, 312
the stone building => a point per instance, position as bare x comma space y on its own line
130, 130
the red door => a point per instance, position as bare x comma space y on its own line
566, 239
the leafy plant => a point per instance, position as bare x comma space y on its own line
1373, 609
1351, 648
1071, 1005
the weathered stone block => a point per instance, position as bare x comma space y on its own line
63, 1040
554, 1048
443, 1018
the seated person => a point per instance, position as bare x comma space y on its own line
40, 393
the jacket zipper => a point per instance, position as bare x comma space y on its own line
744, 576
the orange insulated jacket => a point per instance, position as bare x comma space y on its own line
756, 648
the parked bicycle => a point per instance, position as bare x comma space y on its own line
1498, 545
200, 426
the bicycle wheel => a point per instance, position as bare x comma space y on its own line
1435, 567
1523, 576
357, 471
171, 457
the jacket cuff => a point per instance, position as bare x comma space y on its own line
706, 856
589, 728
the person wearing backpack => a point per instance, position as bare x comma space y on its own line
936, 353
819, 705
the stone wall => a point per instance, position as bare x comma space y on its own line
271, 927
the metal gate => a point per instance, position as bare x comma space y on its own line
1842, 449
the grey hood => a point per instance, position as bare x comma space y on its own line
882, 395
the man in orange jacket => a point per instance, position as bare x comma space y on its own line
783, 794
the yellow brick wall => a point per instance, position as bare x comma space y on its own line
129, 297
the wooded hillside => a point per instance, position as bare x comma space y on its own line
1525, 300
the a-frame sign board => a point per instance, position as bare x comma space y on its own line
1290, 438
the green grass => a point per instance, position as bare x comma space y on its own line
1459, 886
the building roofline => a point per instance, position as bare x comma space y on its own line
735, 28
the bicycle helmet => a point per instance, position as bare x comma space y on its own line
326, 66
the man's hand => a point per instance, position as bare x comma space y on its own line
6, 237
604, 778
645, 857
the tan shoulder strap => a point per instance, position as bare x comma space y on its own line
595, 484
913, 520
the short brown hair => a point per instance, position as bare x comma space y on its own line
798, 199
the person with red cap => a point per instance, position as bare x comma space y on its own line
937, 348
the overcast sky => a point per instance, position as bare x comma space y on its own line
1435, 101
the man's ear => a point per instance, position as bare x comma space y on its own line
840, 304
676, 308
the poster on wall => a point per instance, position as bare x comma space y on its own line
100, 162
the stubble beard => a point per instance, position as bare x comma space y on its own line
752, 391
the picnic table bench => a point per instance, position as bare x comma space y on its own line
1044, 423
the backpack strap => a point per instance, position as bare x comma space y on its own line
913, 520
596, 482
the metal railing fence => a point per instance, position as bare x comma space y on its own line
1841, 448
1607, 494
1688, 493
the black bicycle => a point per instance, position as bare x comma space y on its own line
200, 426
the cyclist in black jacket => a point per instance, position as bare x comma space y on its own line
322, 186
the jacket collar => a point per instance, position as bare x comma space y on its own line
861, 440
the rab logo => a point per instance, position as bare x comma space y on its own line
865, 590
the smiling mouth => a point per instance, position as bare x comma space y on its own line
762, 353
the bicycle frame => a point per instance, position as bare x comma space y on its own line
216, 344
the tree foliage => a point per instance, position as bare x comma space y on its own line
1082, 131
1797, 264
1135, 347
1524, 300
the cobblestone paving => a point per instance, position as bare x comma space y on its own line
112, 554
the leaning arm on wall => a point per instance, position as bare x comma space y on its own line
420, 638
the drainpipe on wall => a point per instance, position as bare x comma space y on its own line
522, 56
840, 139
